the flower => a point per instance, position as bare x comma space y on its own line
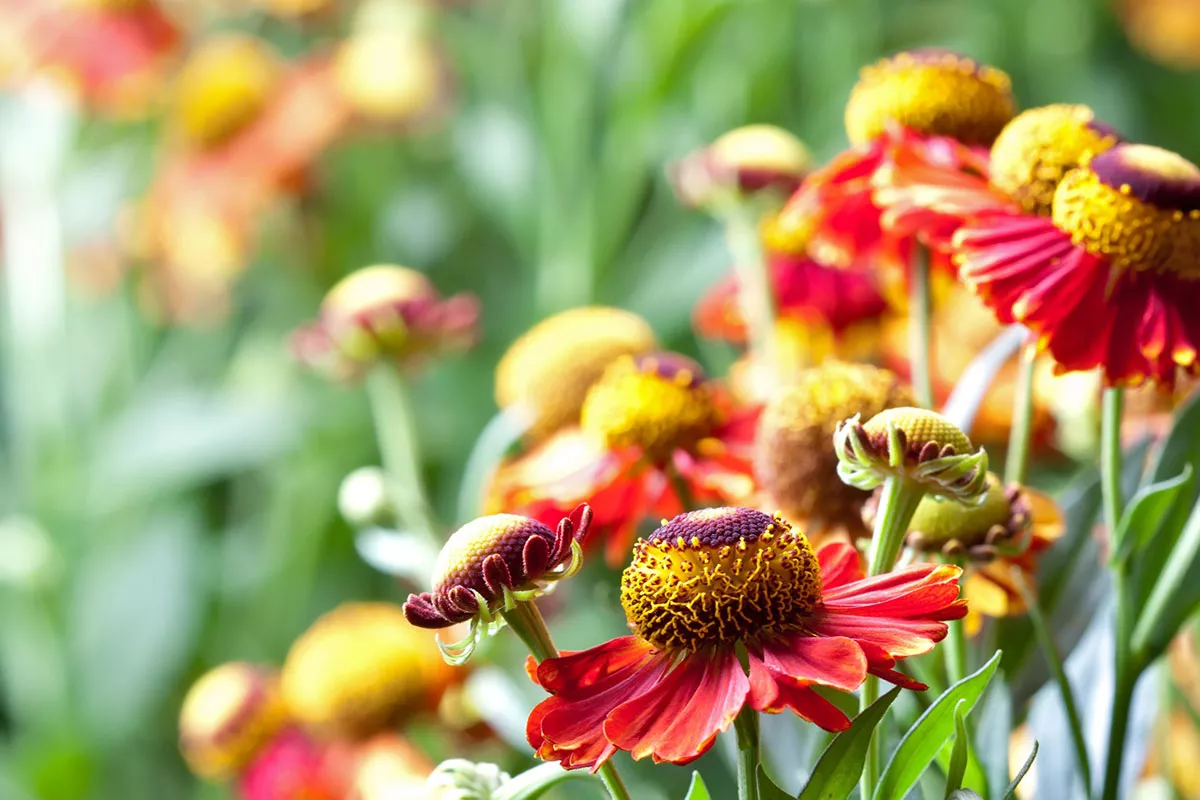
652, 427
549, 369
1167, 31
388, 767
393, 77
927, 106
291, 767
489, 565
228, 715
708, 584
796, 466
459, 779
1008, 530
225, 83
361, 669
743, 162
915, 445
383, 312
1110, 279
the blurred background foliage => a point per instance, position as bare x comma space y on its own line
169, 490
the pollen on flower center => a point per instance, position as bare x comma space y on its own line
1136, 205
1034, 151
659, 402
932, 92
460, 562
719, 576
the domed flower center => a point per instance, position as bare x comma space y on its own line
939, 520
223, 86
718, 576
659, 403
925, 432
932, 92
551, 367
1034, 151
460, 562
1137, 206
374, 287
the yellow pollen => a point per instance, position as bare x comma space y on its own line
636, 405
690, 595
932, 93
940, 520
920, 427
1034, 151
1110, 221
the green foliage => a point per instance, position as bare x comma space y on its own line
838, 770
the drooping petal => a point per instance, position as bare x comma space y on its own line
840, 564
678, 720
773, 688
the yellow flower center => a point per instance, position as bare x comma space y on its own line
460, 562
388, 75
719, 576
795, 462
373, 287
941, 520
1034, 151
931, 92
227, 716
551, 368
1137, 206
921, 428
223, 86
658, 403
761, 148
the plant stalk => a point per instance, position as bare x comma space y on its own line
395, 431
527, 622
755, 298
920, 340
746, 726
1019, 437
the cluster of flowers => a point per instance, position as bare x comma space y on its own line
243, 123
752, 593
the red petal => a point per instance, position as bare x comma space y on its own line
772, 692
836, 662
678, 720
840, 564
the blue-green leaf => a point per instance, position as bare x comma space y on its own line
925, 738
1012, 787
958, 757
1175, 594
768, 789
840, 766
1146, 512
697, 791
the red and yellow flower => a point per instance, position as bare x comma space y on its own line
926, 106
228, 716
708, 584
652, 428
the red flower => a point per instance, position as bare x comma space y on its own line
652, 427
805, 290
1110, 279
928, 107
292, 767
700, 586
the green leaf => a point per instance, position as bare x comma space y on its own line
768, 789
1182, 444
958, 758
1012, 787
1175, 594
697, 791
841, 765
1146, 512
963, 794
925, 738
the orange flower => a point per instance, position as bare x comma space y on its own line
708, 584
926, 106
653, 427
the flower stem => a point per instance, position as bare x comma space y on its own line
1022, 425
527, 622
392, 412
919, 337
955, 651
756, 301
1125, 667
746, 726
1042, 631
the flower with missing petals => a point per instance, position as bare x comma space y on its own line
491, 564
714, 586
742, 163
384, 313
915, 445
927, 107
227, 717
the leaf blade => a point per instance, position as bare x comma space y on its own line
840, 766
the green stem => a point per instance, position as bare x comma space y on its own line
897, 503
919, 335
1126, 668
755, 297
392, 412
527, 622
955, 651
1022, 425
746, 726
1042, 631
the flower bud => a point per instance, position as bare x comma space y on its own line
363, 499
459, 779
227, 717
746, 161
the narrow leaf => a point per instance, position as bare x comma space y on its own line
963, 794
768, 789
697, 791
1146, 512
1012, 787
924, 739
841, 765
958, 757
1174, 596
